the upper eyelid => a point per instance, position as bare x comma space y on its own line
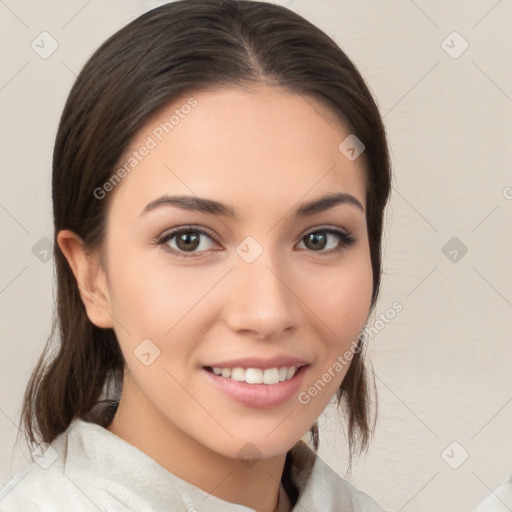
326, 228
174, 231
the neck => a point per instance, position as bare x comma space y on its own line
255, 485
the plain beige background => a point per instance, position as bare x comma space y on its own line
443, 364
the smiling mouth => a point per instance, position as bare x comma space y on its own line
271, 376
257, 387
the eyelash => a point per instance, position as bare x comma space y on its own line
346, 240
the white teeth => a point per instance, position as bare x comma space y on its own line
291, 372
253, 376
257, 375
238, 374
271, 376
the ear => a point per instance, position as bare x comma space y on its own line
90, 278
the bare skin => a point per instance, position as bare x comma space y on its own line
262, 152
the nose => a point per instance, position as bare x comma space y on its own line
262, 301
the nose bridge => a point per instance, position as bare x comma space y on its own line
262, 301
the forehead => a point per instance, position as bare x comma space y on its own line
260, 147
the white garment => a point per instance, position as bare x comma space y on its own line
500, 500
89, 469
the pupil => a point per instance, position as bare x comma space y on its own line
185, 239
313, 238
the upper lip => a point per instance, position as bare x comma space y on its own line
259, 362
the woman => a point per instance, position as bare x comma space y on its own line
219, 180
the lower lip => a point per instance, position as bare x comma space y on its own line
262, 396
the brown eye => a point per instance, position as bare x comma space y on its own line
316, 241
187, 242
319, 240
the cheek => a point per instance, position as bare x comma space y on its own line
342, 306
137, 294
163, 302
353, 300
341, 299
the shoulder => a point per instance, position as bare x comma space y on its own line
34, 489
48, 484
321, 488
499, 500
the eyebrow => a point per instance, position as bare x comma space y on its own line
209, 206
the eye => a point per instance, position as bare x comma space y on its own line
190, 241
321, 239
186, 242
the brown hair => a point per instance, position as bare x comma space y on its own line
180, 47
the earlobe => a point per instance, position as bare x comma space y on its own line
89, 276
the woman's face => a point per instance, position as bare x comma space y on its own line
254, 289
